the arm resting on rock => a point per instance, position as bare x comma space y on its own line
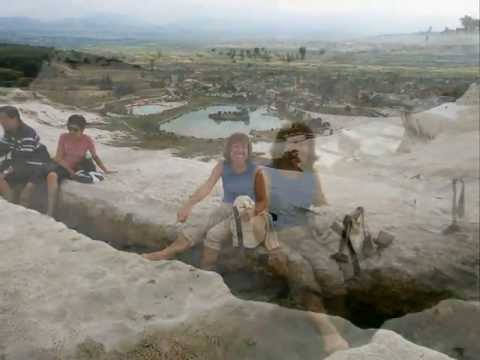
206, 188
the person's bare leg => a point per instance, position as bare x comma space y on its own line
258, 225
26, 194
180, 245
52, 186
5, 190
209, 258
332, 339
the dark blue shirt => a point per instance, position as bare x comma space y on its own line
235, 184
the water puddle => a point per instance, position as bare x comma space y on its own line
199, 124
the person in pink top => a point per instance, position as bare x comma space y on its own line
72, 151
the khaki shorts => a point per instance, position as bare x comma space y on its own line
214, 232
308, 250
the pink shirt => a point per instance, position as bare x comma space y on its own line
74, 149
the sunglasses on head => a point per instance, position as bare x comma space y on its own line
295, 139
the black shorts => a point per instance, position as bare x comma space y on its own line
25, 173
58, 169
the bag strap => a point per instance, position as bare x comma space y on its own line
346, 241
348, 223
238, 225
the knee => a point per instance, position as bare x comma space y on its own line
4, 184
212, 241
52, 179
28, 188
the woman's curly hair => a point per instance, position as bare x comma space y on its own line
281, 159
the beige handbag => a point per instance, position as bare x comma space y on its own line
258, 229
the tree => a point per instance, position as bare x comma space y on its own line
31, 69
256, 52
303, 52
469, 23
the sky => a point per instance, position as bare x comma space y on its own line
379, 15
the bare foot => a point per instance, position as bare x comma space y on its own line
178, 246
335, 342
158, 255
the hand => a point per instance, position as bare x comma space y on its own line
7, 171
70, 171
184, 213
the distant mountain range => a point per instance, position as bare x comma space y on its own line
199, 30
202, 30
91, 27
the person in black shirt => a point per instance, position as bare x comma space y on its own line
23, 152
